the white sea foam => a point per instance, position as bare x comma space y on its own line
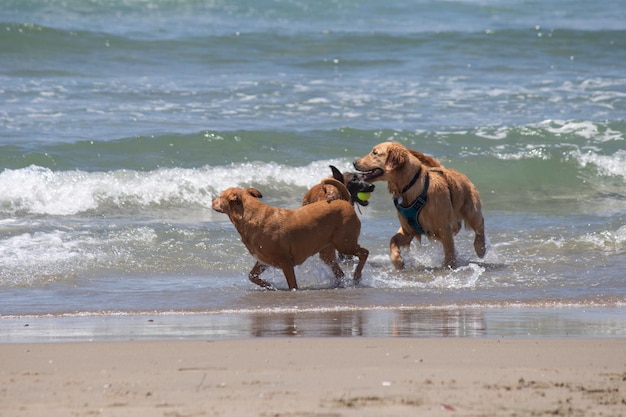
28, 257
427, 260
528, 152
493, 133
585, 129
609, 241
38, 190
606, 165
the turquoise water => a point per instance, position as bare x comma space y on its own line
121, 120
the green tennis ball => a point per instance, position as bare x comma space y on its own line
363, 196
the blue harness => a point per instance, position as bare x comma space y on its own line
412, 212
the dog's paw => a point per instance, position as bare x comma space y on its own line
269, 287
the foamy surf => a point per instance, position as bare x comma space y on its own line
43, 191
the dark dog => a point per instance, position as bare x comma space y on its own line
349, 185
430, 199
342, 186
285, 238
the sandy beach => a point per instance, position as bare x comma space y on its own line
316, 377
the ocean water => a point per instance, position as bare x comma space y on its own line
120, 120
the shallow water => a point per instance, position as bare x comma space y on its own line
121, 120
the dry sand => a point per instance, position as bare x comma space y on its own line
316, 377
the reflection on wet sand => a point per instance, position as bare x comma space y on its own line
372, 323
401, 322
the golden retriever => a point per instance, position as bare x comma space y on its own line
284, 238
430, 199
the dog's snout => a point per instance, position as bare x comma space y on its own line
216, 205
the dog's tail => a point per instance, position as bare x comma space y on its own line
331, 195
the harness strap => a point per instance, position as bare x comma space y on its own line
412, 212
413, 180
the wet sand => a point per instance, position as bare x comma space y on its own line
581, 321
338, 376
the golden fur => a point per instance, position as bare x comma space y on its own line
451, 198
328, 189
342, 186
285, 238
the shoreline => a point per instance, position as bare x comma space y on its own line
459, 322
306, 377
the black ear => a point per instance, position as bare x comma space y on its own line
254, 192
336, 174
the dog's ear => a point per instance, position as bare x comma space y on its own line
336, 174
331, 192
233, 199
396, 158
254, 192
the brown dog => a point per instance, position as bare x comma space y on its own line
430, 199
342, 186
285, 238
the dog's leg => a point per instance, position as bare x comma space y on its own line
449, 254
254, 276
479, 240
473, 217
362, 254
348, 243
328, 256
290, 275
398, 241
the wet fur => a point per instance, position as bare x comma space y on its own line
342, 186
284, 238
451, 198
